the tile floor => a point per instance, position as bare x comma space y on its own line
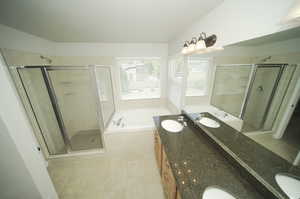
126, 171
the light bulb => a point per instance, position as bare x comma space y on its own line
191, 48
192, 45
185, 48
200, 45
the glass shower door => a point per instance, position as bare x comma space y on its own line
260, 97
75, 92
40, 102
105, 91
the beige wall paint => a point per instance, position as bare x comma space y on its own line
14, 39
82, 60
22, 58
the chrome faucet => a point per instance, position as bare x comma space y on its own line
182, 120
199, 116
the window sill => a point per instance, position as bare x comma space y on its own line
196, 95
134, 99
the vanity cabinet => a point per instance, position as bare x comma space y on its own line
168, 180
178, 195
158, 151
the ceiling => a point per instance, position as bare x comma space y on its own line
104, 21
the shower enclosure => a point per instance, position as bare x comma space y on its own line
267, 89
252, 92
68, 107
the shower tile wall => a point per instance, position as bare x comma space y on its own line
76, 99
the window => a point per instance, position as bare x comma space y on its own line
197, 79
139, 77
178, 67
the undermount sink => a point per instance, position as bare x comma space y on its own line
172, 126
209, 122
289, 185
214, 192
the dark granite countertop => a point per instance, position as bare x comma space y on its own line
262, 163
196, 163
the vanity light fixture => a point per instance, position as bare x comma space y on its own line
201, 45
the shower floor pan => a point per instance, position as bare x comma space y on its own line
86, 140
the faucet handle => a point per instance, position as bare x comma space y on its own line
180, 118
200, 115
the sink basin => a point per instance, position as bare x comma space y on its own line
209, 122
172, 126
289, 185
214, 192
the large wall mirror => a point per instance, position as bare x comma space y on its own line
253, 86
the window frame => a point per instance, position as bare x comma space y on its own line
208, 72
119, 80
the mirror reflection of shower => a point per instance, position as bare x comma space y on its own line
253, 92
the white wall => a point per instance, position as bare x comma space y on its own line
236, 20
82, 54
111, 49
18, 127
15, 181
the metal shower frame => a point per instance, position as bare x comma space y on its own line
254, 68
92, 72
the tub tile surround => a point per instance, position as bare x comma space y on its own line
254, 158
196, 163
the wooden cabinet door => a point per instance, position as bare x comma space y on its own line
178, 195
158, 151
168, 179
